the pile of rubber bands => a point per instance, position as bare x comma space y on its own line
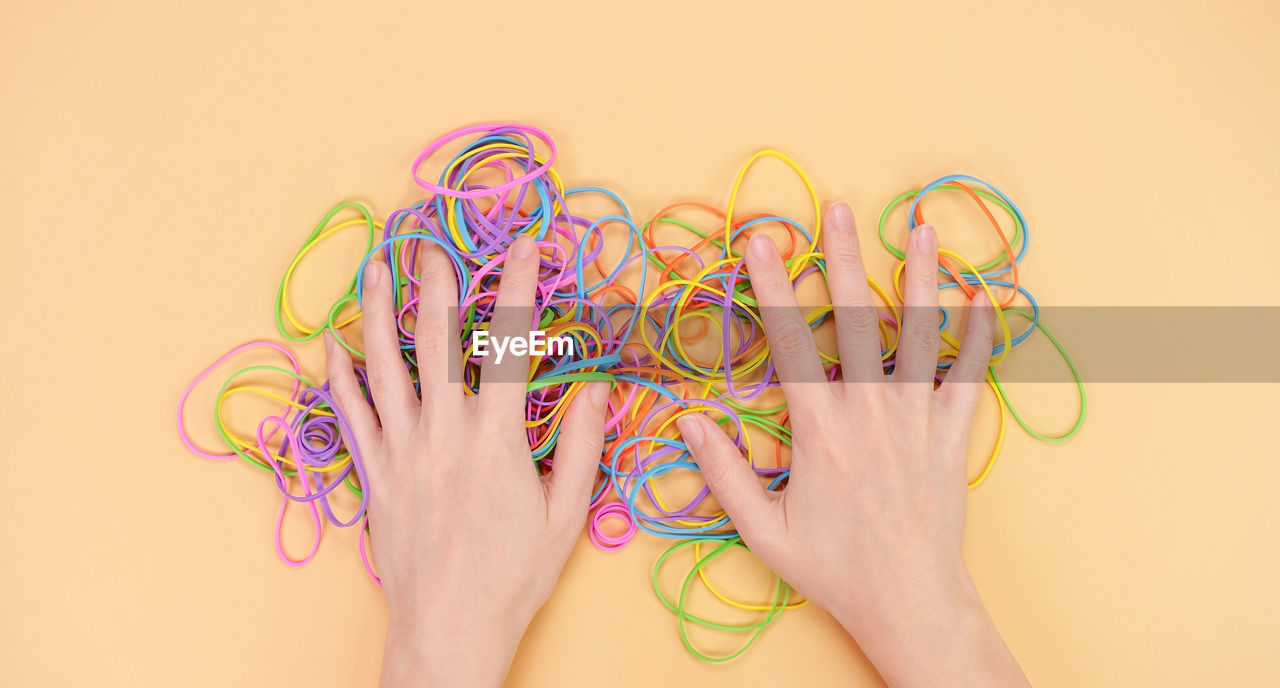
636, 320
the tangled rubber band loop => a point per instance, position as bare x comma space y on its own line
782, 596
603, 540
661, 309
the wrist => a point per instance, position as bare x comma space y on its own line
442, 645
933, 630
905, 596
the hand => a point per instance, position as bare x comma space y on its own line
469, 539
870, 523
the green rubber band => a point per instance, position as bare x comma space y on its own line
222, 430
777, 606
306, 245
1004, 255
1075, 373
586, 376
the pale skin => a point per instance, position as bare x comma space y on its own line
469, 540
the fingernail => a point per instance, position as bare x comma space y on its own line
841, 216
372, 274
598, 392
762, 247
522, 247
926, 239
691, 430
328, 342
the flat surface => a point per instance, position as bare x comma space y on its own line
163, 161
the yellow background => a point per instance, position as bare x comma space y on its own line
160, 162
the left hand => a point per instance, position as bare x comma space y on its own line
469, 539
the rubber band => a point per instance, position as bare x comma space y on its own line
779, 604
661, 309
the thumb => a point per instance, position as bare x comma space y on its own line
578, 451
730, 478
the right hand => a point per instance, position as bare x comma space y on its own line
871, 521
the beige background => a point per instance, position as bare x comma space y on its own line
161, 161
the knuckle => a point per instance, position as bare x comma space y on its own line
340, 389
515, 280
790, 338
923, 339
382, 374
986, 330
863, 324
767, 283
436, 269
576, 438
977, 347
716, 473
843, 254
429, 347
587, 445
962, 371
977, 324
923, 276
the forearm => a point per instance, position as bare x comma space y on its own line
935, 633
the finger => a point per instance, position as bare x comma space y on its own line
962, 387
503, 384
752, 509
347, 395
857, 326
388, 378
918, 344
791, 344
578, 452
436, 332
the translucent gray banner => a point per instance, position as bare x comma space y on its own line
1239, 344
